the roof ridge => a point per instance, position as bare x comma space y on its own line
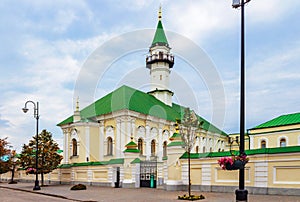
284, 119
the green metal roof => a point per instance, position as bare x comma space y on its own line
160, 36
283, 120
172, 144
131, 143
136, 160
276, 150
132, 151
176, 136
127, 98
134, 100
116, 161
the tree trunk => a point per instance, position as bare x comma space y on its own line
189, 171
42, 177
13, 173
42, 170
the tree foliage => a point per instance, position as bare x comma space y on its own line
48, 156
188, 127
5, 156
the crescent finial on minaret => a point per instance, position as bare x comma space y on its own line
159, 13
77, 104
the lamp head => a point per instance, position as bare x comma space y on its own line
236, 3
25, 109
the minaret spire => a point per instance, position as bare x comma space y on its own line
160, 61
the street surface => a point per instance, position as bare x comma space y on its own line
23, 192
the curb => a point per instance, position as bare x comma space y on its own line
42, 193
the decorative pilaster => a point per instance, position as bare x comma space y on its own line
148, 142
122, 137
66, 144
118, 138
261, 174
101, 141
87, 142
160, 142
206, 174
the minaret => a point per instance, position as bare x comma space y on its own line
160, 61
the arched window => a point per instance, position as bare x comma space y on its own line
140, 145
263, 144
74, 145
210, 149
197, 149
109, 146
165, 149
153, 148
282, 142
203, 149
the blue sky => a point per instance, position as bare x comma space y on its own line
45, 45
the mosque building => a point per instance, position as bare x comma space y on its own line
129, 138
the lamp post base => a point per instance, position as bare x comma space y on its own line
36, 186
241, 195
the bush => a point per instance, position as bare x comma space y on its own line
191, 198
78, 187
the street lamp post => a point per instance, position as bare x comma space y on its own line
242, 193
36, 116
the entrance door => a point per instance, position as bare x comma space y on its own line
148, 174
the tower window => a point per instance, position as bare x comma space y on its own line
160, 77
109, 146
165, 149
153, 148
140, 145
74, 145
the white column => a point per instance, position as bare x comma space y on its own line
160, 142
148, 142
66, 149
251, 142
128, 132
101, 141
117, 139
133, 127
122, 138
87, 142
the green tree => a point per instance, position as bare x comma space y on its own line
5, 154
48, 157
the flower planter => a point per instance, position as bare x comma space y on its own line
237, 164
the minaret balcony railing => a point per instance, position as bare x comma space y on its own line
161, 57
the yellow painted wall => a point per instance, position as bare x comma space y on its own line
274, 129
110, 122
140, 122
196, 175
273, 139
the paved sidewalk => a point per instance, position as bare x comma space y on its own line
95, 193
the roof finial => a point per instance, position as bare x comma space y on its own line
159, 13
77, 104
